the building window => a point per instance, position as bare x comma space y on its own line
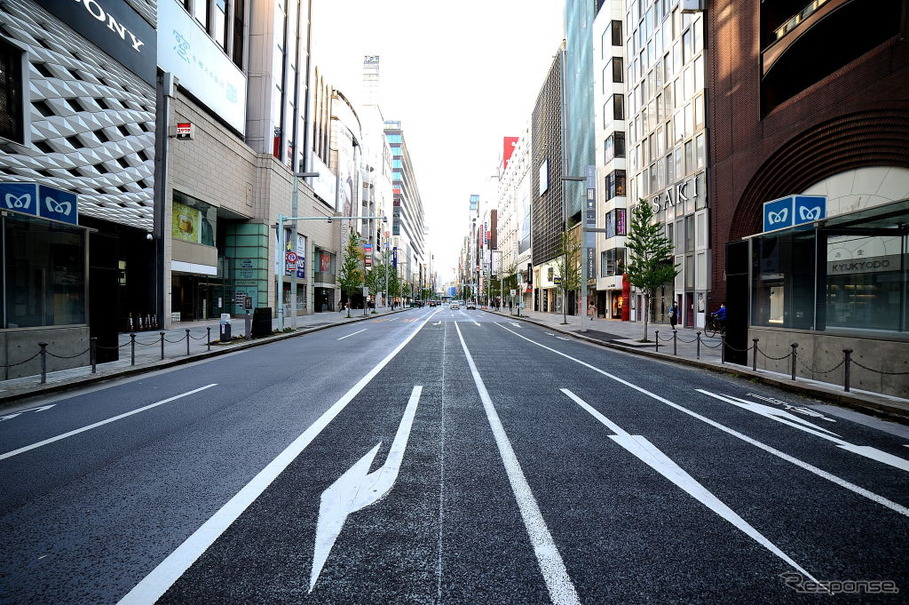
618, 70
618, 107
614, 147
12, 125
45, 281
237, 54
219, 27
615, 184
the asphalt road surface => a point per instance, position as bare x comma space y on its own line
441, 456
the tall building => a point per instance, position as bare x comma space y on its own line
667, 144
548, 208
77, 175
612, 290
811, 99
407, 220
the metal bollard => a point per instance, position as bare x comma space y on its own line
847, 371
93, 353
675, 342
43, 346
657, 338
795, 355
208, 329
722, 348
754, 358
132, 348
697, 348
187, 341
162, 345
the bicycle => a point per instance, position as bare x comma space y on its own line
713, 326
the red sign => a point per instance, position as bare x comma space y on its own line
184, 130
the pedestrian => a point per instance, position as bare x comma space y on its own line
673, 315
592, 311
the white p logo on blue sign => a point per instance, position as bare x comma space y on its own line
794, 210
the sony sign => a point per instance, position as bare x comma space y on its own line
115, 28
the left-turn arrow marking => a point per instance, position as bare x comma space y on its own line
358, 488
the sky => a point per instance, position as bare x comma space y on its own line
459, 76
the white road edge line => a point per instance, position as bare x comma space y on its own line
770, 450
162, 577
641, 447
33, 446
352, 334
561, 588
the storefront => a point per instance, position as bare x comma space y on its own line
843, 282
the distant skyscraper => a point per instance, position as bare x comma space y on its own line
372, 91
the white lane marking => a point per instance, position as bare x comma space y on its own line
561, 588
515, 324
20, 412
646, 452
66, 435
788, 419
352, 334
799, 463
357, 488
162, 577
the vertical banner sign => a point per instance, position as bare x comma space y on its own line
367, 251
590, 214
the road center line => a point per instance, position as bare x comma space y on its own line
770, 450
352, 334
162, 577
33, 446
561, 588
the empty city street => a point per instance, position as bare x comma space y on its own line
447, 456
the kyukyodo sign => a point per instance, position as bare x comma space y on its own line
794, 210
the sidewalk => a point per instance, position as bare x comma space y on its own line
683, 348
202, 338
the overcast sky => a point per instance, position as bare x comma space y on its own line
459, 76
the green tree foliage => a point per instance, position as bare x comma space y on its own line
375, 279
650, 256
350, 277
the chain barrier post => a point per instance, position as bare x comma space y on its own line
132, 347
187, 341
657, 334
162, 345
723, 349
795, 355
43, 353
847, 374
675, 342
698, 346
754, 357
208, 329
93, 353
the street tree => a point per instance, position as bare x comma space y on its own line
568, 264
375, 280
650, 256
350, 277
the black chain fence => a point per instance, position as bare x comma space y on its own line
754, 350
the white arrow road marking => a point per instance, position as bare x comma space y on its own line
803, 425
515, 324
648, 453
861, 491
20, 412
357, 488
561, 588
352, 334
33, 446
161, 578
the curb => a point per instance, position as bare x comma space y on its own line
869, 404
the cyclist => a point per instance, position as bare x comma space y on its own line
719, 317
